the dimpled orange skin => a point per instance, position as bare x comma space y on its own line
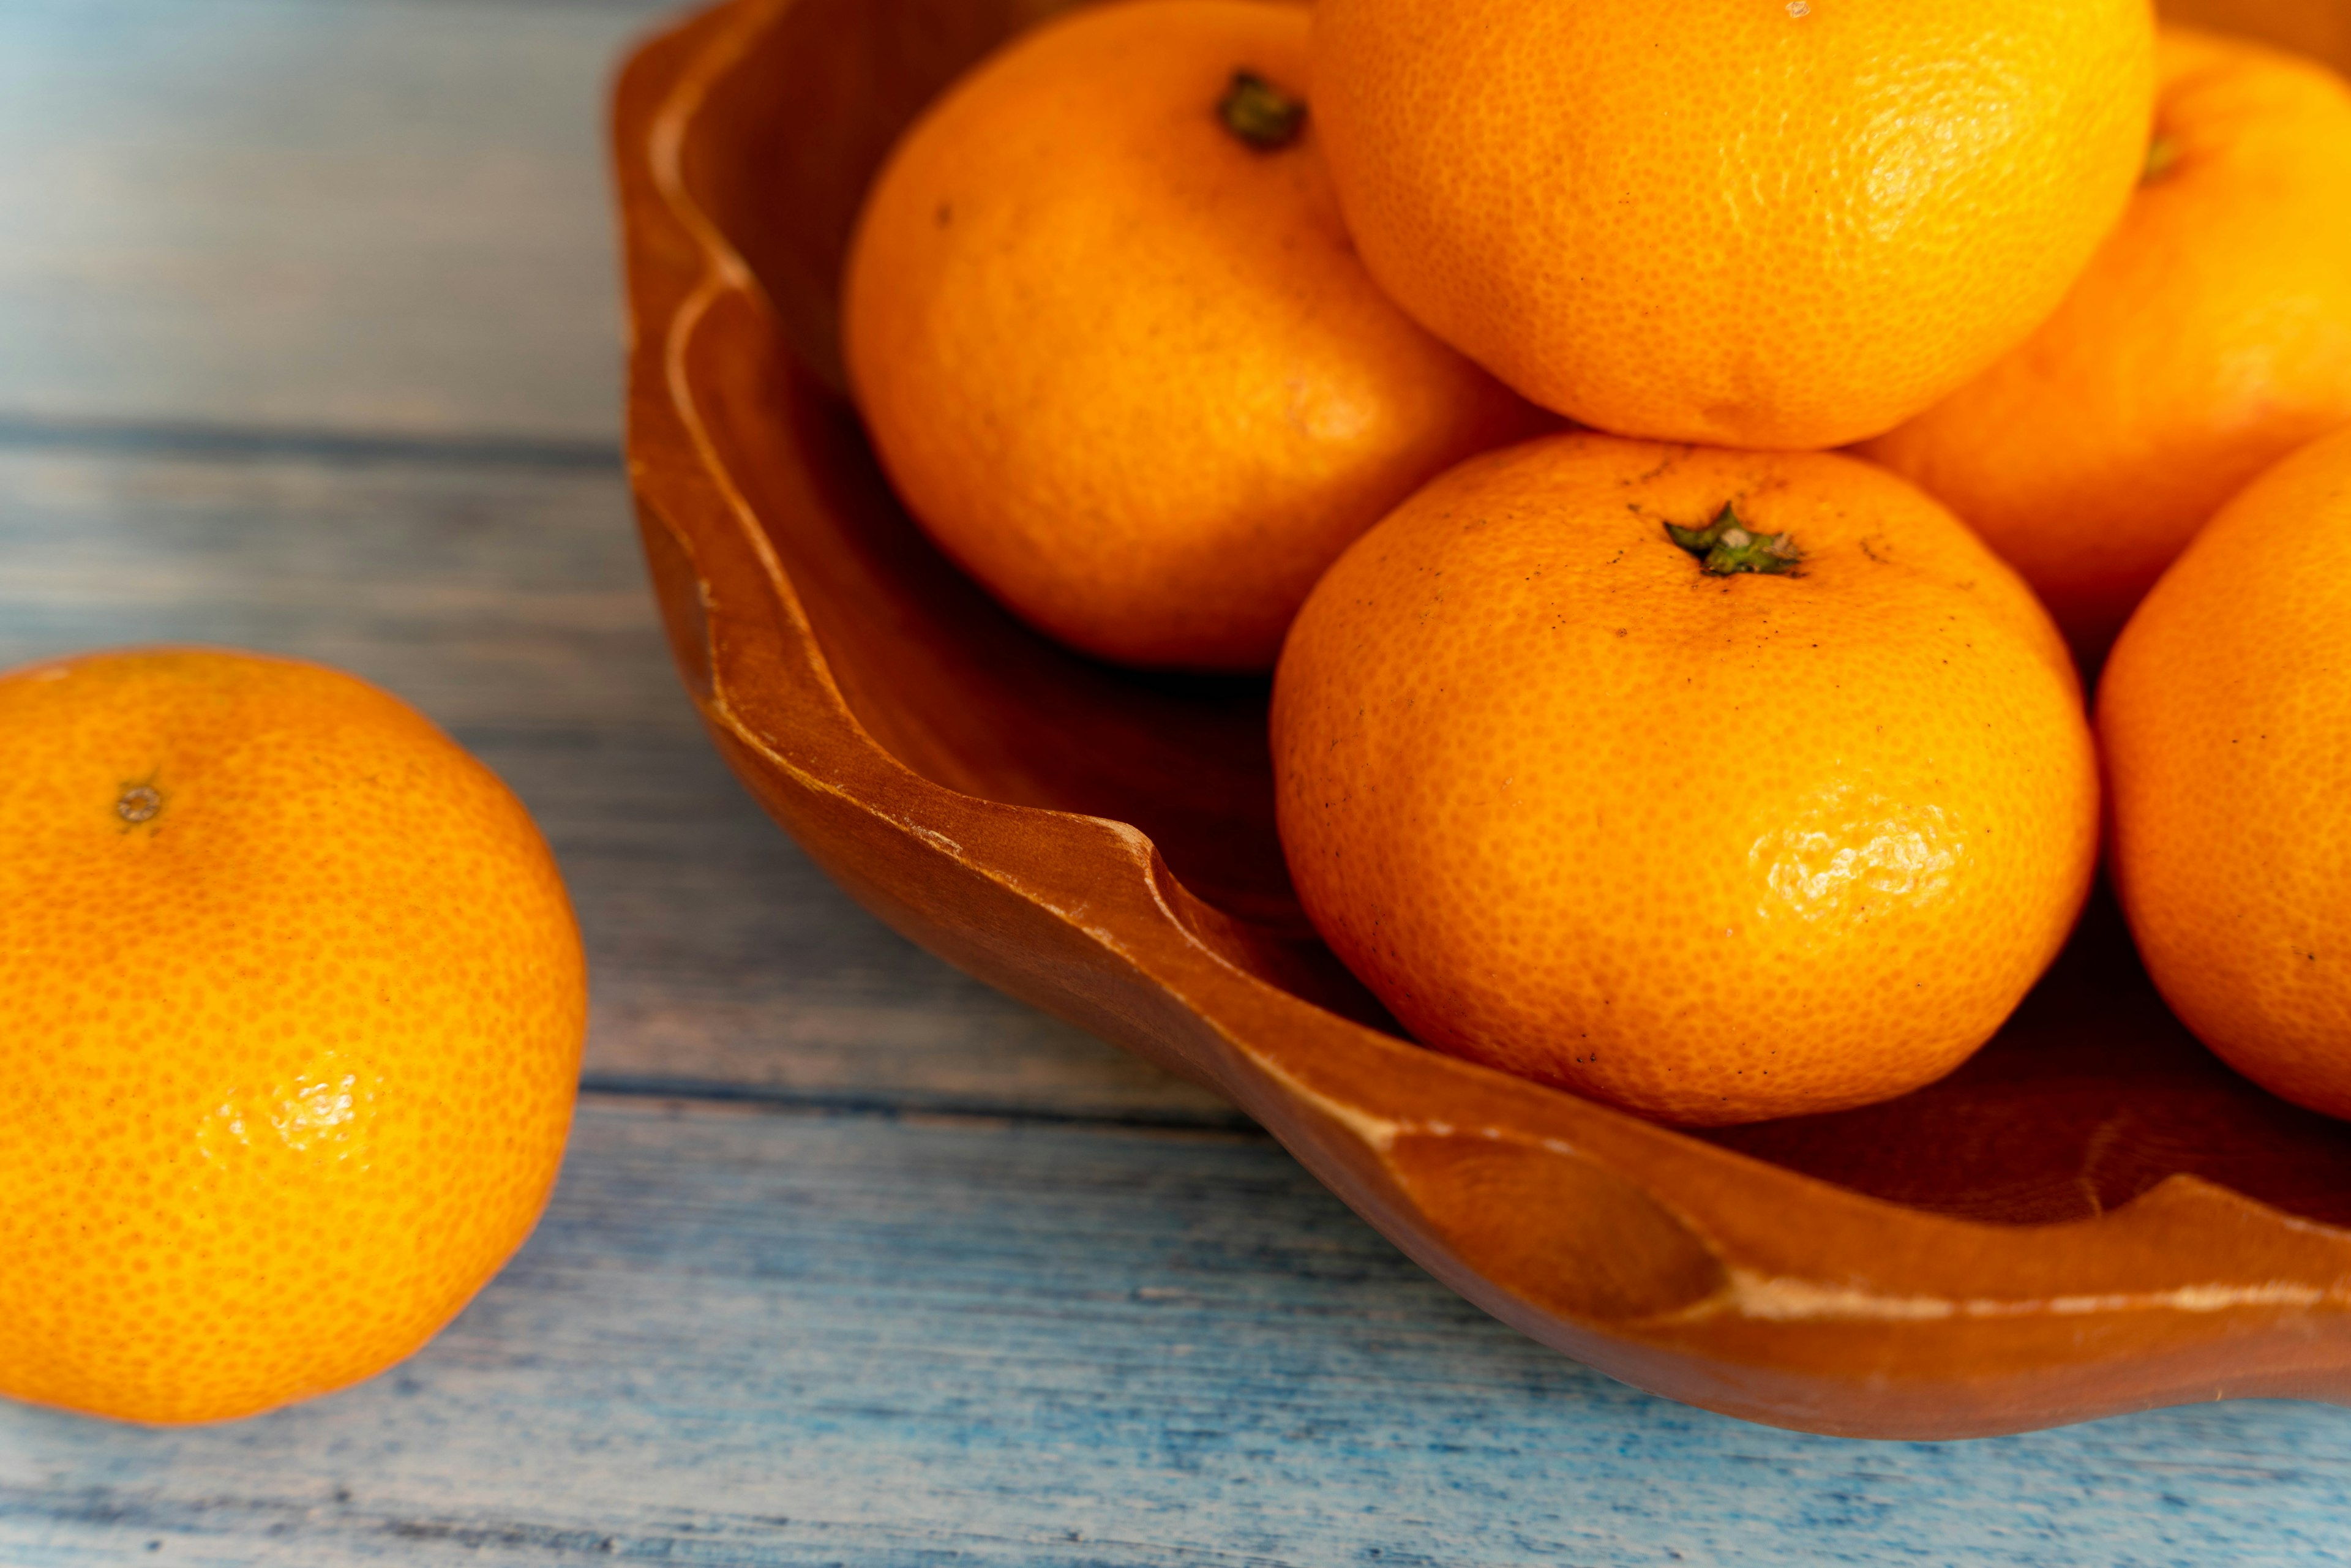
2211, 337
1126, 369
2224, 717
1716, 848
292, 1035
1746, 222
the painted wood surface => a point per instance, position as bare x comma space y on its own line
744, 1338
176, 214
941, 1292
507, 598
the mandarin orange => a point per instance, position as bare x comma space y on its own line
2224, 716
1714, 848
1758, 222
2210, 336
295, 1009
1115, 349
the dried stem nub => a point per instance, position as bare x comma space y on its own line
1260, 113
1728, 545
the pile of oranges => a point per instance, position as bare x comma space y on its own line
1476, 366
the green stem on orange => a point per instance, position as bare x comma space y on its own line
1260, 113
1728, 545
2162, 153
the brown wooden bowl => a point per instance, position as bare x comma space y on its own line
2092, 1216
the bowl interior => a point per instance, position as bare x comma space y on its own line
2090, 1096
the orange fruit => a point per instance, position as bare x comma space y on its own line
1119, 360
1757, 223
294, 1009
2224, 716
1714, 848
2211, 337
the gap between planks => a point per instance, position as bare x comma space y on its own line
190, 438
1224, 1124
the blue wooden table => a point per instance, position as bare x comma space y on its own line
307, 342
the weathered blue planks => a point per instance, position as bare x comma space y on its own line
306, 342
758, 1338
389, 215
507, 600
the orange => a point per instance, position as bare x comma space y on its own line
295, 1005
2210, 336
1121, 361
1714, 848
2224, 715
1757, 223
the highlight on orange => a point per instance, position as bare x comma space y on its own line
1719, 785
2210, 336
1739, 222
1115, 348
296, 1005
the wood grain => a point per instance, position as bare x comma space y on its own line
386, 216
783, 1339
1103, 846
507, 600
777, 1339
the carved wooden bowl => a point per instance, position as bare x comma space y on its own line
2092, 1216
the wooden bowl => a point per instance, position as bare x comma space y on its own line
2092, 1216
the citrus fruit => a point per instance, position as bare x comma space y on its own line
2224, 716
2210, 336
1115, 349
1781, 813
1757, 223
295, 1005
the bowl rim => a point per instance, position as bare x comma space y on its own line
1753, 1289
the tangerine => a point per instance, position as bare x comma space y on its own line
1746, 222
295, 1011
2210, 336
2223, 715
1720, 785
1115, 349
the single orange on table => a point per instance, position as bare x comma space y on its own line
2210, 336
1720, 785
1757, 223
1113, 345
2224, 717
295, 1003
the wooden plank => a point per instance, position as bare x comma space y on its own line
760, 1339
389, 215
507, 601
